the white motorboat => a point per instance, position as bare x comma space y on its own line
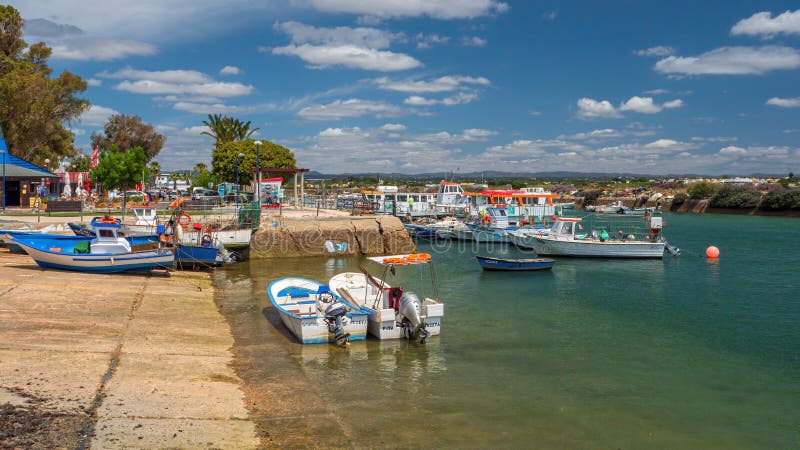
393, 312
569, 238
316, 315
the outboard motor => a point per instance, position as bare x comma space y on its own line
409, 310
333, 317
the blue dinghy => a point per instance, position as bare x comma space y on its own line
488, 263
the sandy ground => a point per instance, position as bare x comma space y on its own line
115, 361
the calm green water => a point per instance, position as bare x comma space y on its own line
679, 353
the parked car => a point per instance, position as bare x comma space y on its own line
207, 195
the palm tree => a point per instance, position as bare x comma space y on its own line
227, 129
155, 170
174, 177
200, 168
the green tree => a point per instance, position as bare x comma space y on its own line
81, 163
223, 159
227, 129
200, 168
128, 132
203, 178
120, 169
701, 189
33, 105
154, 169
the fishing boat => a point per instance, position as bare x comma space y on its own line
619, 208
569, 237
316, 315
13, 247
106, 253
492, 227
488, 263
524, 237
393, 312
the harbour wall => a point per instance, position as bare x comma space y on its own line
368, 235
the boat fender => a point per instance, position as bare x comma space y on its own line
207, 240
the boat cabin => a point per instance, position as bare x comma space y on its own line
567, 227
106, 238
495, 218
145, 215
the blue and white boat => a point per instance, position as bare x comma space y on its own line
502, 264
492, 227
106, 253
196, 256
316, 315
13, 247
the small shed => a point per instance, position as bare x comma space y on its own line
22, 180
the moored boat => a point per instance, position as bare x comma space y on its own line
569, 238
393, 312
106, 253
314, 314
503, 264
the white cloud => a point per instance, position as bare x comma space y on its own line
589, 108
764, 25
349, 56
732, 61
337, 132
96, 115
715, 139
659, 50
606, 133
642, 105
208, 108
359, 37
784, 102
473, 41
94, 82
184, 147
441, 84
672, 104
89, 49
429, 40
438, 9
658, 91
458, 99
217, 89
230, 70
550, 15
732, 150
528, 150
393, 127
164, 76
477, 134
351, 108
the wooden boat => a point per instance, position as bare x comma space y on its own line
106, 253
393, 313
566, 239
488, 263
314, 314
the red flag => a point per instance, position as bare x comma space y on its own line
95, 157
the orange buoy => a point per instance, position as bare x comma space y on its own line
712, 252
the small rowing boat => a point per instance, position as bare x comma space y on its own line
488, 263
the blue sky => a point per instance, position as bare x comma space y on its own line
437, 85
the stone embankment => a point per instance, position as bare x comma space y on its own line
369, 235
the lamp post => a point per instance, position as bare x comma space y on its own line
258, 172
240, 155
3, 151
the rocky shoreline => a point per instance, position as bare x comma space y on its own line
369, 235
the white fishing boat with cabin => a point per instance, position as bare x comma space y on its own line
569, 237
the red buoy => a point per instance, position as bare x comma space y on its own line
712, 252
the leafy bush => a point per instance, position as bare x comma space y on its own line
701, 189
781, 200
589, 197
679, 199
735, 197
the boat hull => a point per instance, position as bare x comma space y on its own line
499, 264
196, 255
597, 249
100, 263
495, 236
382, 323
232, 239
312, 328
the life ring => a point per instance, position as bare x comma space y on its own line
107, 219
207, 239
419, 257
184, 220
